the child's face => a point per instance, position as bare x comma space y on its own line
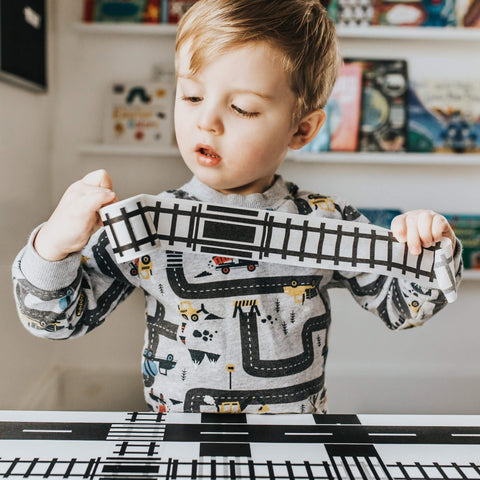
233, 119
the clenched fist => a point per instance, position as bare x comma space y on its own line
76, 216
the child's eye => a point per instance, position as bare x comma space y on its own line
244, 113
191, 99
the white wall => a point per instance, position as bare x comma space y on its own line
25, 134
434, 368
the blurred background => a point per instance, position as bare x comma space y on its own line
51, 137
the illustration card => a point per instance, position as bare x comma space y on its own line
140, 113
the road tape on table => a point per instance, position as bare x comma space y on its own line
141, 224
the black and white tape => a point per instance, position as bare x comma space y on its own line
141, 224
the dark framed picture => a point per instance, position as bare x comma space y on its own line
23, 43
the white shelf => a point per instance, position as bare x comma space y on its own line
126, 28
374, 32
471, 275
360, 158
410, 33
386, 158
128, 151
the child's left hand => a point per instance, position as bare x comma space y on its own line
421, 228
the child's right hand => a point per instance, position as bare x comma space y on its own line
76, 217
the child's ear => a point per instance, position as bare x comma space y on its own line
307, 128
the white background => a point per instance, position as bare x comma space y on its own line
433, 369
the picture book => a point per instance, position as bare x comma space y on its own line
467, 229
321, 143
176, 9
332, 8
345, 111
380, 216
468, 13
428, 13
354, 13
119, 10
140, 113
444, 116
88, 14
152, 12
383, 119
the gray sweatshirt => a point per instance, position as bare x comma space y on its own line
222, 334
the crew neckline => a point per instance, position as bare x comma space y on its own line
274, 195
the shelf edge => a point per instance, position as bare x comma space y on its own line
127, 150
352, 158
125, 28
362, 158
471, 275
372, 32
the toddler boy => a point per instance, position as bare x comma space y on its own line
222, 334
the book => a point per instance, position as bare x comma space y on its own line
140, 113
345, 120
383, 119
467, 229
468, 13
119, 10
176, 9
340, 130
444, 116
380, 216
152, 12
353, 13
88, 14
332, 8
415, 13
321, 142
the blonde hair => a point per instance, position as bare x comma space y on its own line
299, 29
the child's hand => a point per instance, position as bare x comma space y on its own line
421, 228
76, 217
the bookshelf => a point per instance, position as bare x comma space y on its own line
100, 149
373, 32
125, 29
425, 45
382, 158
471, 275
360, 158
410, 33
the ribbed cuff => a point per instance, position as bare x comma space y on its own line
48, 275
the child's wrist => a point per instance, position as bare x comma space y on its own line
46, 248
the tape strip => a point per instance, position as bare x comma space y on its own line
141, 224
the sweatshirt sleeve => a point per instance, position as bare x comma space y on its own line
71, 297
399, 303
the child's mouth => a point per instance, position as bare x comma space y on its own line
206, 156
212, 155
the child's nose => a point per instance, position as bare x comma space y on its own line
210, 121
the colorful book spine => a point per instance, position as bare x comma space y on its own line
344, 122
115, 11
88, 10
152, 12
176, 9
468, 13
428, 13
